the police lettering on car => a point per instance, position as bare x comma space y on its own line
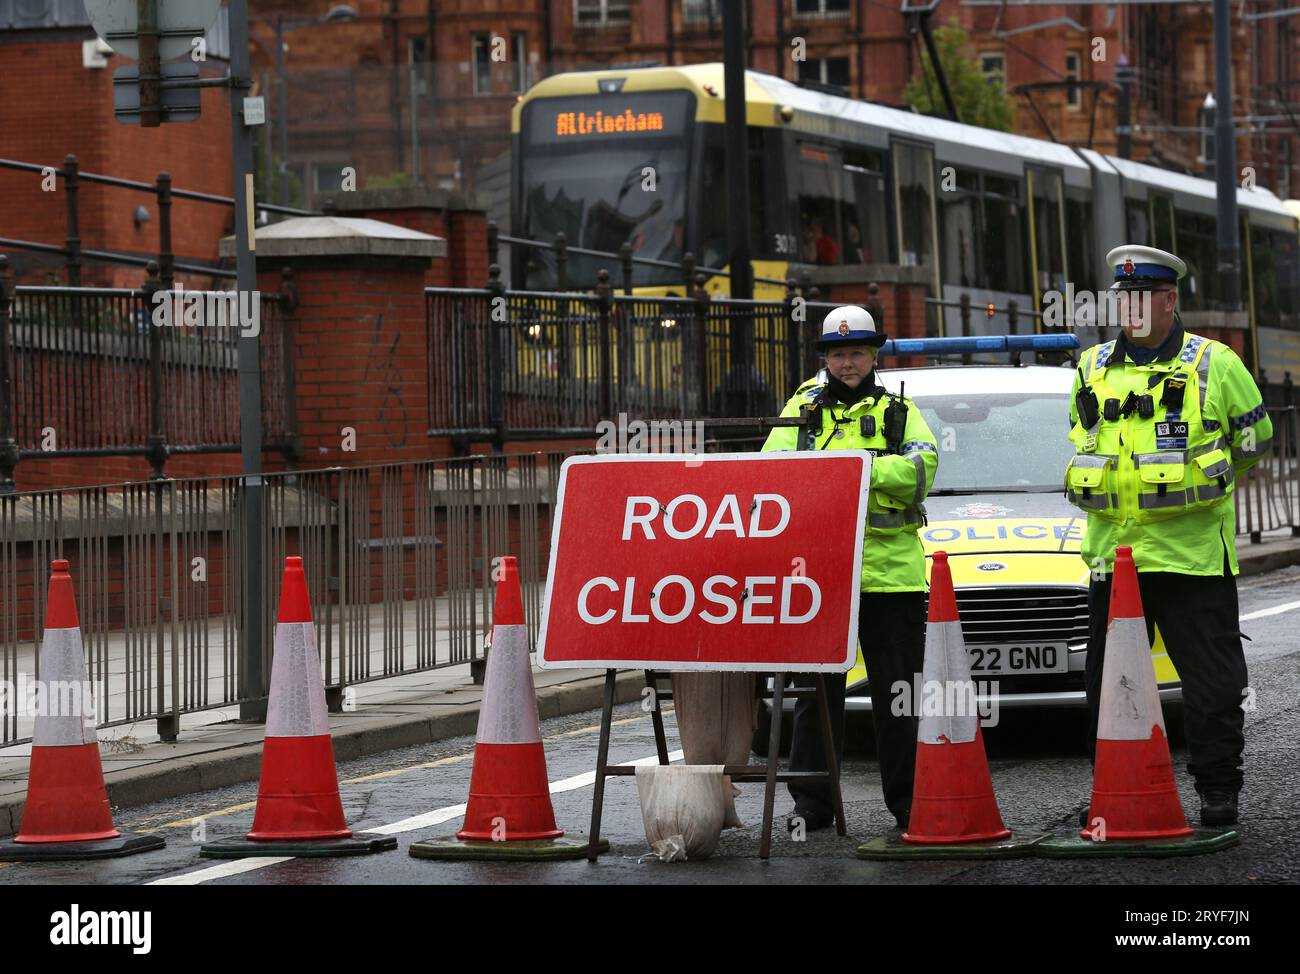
850, 410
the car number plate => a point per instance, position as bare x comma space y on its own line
1019, 658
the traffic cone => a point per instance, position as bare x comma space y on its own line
299, 811
509, 813
954, 811
1133, 791
952, 797
1135, 810
66, 815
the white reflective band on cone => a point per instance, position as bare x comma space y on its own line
1130, 701
297, 702
60, 721
508, 714
947, 671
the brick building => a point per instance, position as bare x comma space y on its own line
59, 83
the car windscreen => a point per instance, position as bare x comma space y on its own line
999, 440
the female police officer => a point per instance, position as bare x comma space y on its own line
852, 411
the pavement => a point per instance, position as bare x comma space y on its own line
216, 750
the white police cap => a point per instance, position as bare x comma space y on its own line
850, 325
1144, 267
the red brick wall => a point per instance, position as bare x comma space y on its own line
70, 110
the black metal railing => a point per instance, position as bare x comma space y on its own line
112, 372
538, 364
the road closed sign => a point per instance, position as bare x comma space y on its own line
719, 562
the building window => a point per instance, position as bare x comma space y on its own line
599, 13
702, 11
482, 64
826, 71
993, 65
1073, 72
327, 177
821, 8
519, 53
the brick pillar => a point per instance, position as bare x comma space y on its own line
358, 335
456, 217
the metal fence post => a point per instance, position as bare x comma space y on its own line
157, 438
493, 243
625, 261
793, 355
688, 272
166, 259
73, 242
8, 448
963, 311
288, 299
1013, 316
603, 302
495, 358
561, 246
701, 297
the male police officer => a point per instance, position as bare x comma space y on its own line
852, 411
1164, 422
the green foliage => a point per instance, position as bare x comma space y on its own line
393, 180
980, 100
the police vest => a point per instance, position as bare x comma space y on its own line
1151, 455
834, 426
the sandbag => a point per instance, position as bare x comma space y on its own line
683, 807
716, 716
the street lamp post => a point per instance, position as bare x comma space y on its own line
337, 15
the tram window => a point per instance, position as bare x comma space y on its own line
1004, 251
866, 212
1162, 223
1198, 249
1079, 241
1268, 313
1137, 223
914, 185
960, 225
1048, 231
1286, 262
821, 189
768, 236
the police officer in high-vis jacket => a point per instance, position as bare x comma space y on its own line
1164, 423
850, 410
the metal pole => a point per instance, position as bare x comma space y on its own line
1225, 161
737, 143
253, 703
282, 74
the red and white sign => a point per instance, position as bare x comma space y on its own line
745, 561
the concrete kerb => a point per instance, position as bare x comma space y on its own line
172, 776
1283, 555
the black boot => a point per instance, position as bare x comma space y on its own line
814, 818
1219, 808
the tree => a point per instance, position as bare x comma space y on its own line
980, 100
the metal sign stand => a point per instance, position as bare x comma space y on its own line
767, 773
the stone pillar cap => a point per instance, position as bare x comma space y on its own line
334, 236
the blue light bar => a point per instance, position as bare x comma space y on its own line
980, 343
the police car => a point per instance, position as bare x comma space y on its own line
998, 509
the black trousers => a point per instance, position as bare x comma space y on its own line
891, 630
1197, 616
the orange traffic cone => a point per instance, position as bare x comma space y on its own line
952, 797
299, 810
954, 812
509, 813
1133, 791
67, 815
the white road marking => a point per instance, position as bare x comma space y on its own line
233, 868
1276, 610
422, 821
